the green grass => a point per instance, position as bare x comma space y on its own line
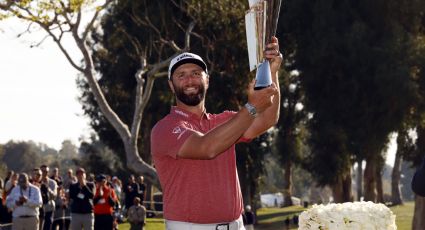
273, 218
404, 215
151, 224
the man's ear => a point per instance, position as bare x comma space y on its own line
170, 83
207, 82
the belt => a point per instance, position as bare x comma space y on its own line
179, 225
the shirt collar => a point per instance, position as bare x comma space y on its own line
188, 115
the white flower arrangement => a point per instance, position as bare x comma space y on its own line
350, 215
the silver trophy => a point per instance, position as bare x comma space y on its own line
261, 24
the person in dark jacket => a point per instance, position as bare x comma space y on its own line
418, 181
81, 196
130, 191
248, 218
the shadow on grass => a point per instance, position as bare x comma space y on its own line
282, 214
274, 218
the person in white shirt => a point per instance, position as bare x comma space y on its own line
25, 201
50, 187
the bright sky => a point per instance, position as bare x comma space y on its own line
38, 93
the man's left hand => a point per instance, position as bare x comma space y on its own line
273, 54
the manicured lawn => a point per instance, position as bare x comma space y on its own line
274, 218
404, 215
152, 224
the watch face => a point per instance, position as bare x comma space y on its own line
251, 109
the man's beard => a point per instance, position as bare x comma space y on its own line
191, 99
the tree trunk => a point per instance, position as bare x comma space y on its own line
135, 163
287, 192
379, 186
341, 191
370, 181
396, 198
419, 215
359, 181
148, 196
346, 188
337, 191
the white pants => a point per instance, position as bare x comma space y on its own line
249, 227
179, 225
22, 223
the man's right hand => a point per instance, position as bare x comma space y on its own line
261, 99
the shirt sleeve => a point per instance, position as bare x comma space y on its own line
168, 137
35, 198
12, 198
53, 187
72, 192
88, 190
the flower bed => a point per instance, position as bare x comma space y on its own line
350, 215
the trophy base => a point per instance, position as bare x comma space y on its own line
263, 77
261, 87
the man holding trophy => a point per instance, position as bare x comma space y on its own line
194, 151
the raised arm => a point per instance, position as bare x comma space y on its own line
270, 116
219, 139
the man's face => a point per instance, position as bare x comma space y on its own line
55, 172
189, 83
36, 175
44, 171
103, 183
23, 181
81, 176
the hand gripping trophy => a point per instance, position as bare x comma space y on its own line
261, 24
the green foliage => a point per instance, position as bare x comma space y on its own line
3, 166
97, 158
353, 57
93, 155
22, 156
46, 12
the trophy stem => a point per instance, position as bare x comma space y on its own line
263, 76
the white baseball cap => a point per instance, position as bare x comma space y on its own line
185, 58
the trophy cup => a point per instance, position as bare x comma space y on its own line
261, 24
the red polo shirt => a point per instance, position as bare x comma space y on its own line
197, 191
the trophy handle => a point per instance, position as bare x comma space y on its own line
261, 24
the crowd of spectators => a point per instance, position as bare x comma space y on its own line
43, 199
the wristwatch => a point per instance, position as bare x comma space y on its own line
251, 109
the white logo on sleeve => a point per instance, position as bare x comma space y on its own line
179, 130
